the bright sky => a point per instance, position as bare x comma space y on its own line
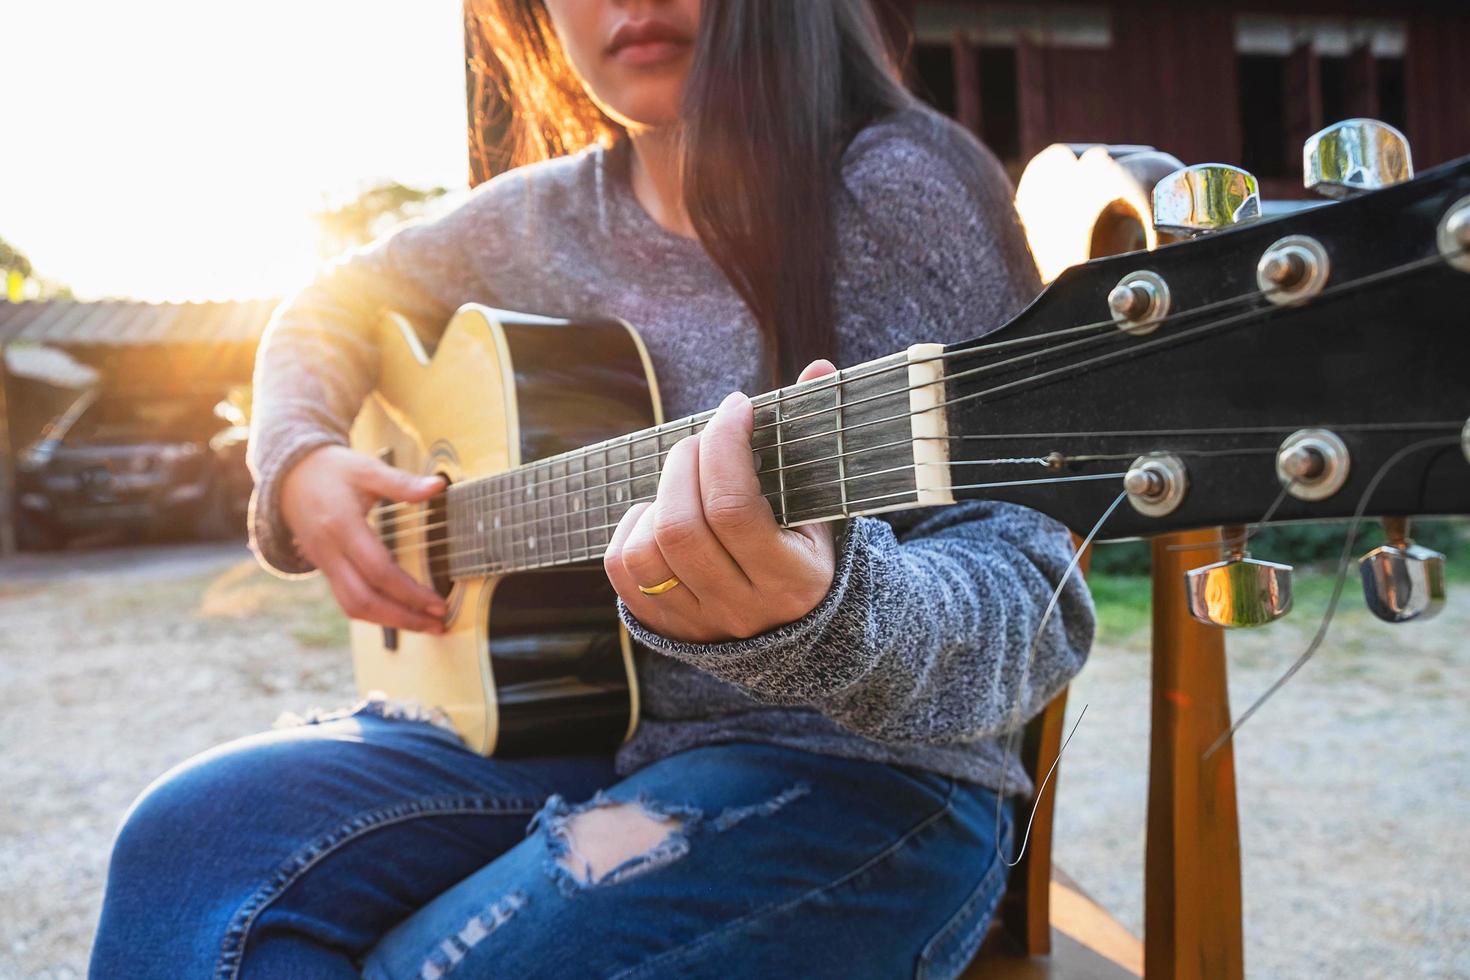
174, 149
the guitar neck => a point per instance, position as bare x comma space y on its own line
868, 439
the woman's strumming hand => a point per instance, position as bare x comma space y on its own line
740, 573
324, 499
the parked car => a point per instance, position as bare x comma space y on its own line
141, 466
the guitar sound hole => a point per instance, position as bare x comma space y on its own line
437, 513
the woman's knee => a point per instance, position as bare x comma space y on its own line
187, 809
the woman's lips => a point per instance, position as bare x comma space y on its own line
650, 52
647, 42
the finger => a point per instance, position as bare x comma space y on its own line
730, 492
381, 480
360, 600
377, 567
643, 561
656, 616
816, 369
688, 545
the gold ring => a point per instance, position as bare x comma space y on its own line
661, 587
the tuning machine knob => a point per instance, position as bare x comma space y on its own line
1239, 591
1354, 156
1204, 198
1402, 580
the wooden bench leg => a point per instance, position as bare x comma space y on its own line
1192, 897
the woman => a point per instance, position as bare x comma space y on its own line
813, 788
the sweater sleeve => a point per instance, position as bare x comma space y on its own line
931, 631
318, 358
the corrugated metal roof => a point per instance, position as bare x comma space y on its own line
128, 323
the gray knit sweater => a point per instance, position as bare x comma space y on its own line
918, 654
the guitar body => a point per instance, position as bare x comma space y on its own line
530, 662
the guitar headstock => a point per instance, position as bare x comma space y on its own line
1304, 365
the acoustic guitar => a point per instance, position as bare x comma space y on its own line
1304, 367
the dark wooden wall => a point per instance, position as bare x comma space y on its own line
1169, 79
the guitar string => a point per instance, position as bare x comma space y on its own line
478, 549
412, 521
1342, 565
541, 521
1012, 734
568, 518
836, 380
839, 381
1014, 728
1169, 339
1430, 260
592, 550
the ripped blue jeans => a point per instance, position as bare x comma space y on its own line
381, 848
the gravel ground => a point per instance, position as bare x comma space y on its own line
1354, 788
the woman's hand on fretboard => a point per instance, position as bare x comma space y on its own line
739, 573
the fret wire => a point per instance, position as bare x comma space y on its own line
790, 466
841, 450
780, 458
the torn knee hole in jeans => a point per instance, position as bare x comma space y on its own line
605, 841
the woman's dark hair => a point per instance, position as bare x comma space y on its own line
777, 90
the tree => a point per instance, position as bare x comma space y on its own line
367, 216
18, 279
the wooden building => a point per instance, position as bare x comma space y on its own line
1243, 84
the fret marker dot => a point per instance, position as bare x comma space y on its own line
576, 504
531, 542
480, 525
530, 492
496, 521
618, 494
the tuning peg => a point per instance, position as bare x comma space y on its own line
1239, 591
1354, 156
1402, 580
1204, 198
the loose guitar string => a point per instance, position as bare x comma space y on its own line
1248, 532
1245, 315
1134, 349
1012, 734
837, 380
1341, 578
1051, 605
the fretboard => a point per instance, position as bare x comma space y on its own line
871, 438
